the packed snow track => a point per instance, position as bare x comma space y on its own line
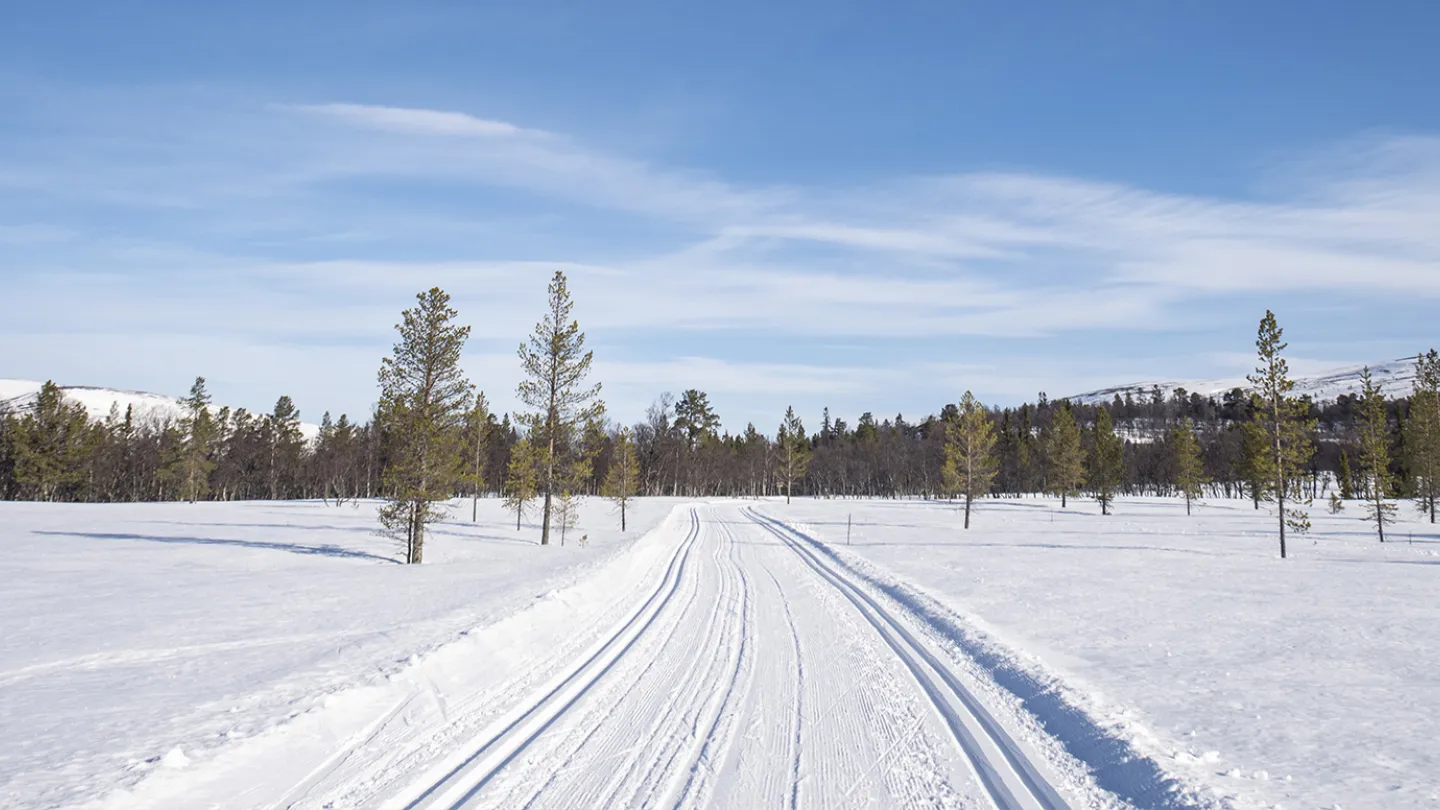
728, 662
752, 674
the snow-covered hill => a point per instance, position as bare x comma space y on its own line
1396, 378
19, 395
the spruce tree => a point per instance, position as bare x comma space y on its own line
1374, 429
424, 397
1107, 463
1287, 428
794, 448
199, 430
1422, 433
1189, 466
477, 436
1064, 457
622, 481
556, 365
970, 463
520, 480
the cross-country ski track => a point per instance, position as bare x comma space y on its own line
742, 666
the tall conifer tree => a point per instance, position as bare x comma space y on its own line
477, 436
199, 429
794, 447
1064, 457
970, 463
424, 397
1287, 426
556, 364
622, 481
1107, 464
520, 480
1189, 466
1374, 430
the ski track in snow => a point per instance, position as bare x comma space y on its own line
750, 672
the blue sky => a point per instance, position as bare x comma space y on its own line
870, 206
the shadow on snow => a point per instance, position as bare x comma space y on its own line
327, 550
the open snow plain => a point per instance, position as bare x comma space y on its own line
739, 654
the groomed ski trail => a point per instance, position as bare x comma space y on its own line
753, 675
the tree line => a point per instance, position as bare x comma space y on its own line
432, 437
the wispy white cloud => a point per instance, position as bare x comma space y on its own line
271, 236
430, 122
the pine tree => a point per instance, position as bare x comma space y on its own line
970, 463
49, 444
556, 365
1422, 432
1287, 428
477, 430
520, 480
623, 479
1189, 466
424, 397
199, 430
1107, 463
794, 447
1064, 457
1374, 429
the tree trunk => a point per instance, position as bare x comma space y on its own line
967, 510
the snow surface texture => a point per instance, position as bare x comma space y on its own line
1309, 682
738, 655
19, 395
145, 637
1396, 378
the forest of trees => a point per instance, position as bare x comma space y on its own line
1262, 446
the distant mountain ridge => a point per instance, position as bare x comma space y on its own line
19, 395
1396, 379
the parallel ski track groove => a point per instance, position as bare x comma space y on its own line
587, 673
704, 755
912, 653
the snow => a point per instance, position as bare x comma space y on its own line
738, 654
1299, 683
138, 635
1395, 377
17, 395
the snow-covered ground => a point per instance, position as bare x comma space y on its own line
1309, 682
739, 654
1395, 377
132, 630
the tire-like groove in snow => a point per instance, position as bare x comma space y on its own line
952, 699
463, 782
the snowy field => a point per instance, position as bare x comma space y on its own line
739, 654
1312, 682
136, 631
